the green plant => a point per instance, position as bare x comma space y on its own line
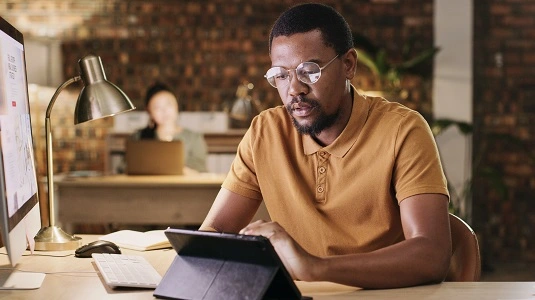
388, 72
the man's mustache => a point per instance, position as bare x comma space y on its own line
298, 99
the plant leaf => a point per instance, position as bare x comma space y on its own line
382, 63
368, 61
439, 125
425, 56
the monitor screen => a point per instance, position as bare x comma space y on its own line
19, 203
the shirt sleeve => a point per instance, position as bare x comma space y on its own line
241, 178
417, 168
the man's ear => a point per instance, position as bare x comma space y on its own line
350, 63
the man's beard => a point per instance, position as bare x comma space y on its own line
322, 122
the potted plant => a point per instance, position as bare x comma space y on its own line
389, 73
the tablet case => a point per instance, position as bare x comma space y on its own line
213, 265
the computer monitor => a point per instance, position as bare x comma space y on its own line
20, 218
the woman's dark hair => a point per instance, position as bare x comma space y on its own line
306, 17
154, 89
149, 132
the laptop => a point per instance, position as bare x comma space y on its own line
212, 265
154, 157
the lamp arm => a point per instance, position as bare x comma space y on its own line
58, 91
49, 164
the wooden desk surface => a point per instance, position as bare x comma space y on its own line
199, 180
69, 277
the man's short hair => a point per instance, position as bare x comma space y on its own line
306, 17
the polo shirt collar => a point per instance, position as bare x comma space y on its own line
349, 135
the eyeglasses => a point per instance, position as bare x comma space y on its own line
307, 72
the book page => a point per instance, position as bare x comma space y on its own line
135, 240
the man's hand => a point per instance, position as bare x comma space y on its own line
300, 264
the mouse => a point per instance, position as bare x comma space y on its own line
97, 247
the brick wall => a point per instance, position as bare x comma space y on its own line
204, 49
504, 136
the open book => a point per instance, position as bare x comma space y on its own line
136, 240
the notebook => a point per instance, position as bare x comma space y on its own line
136, 240
154, 157
212, 265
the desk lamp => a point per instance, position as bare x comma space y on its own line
98, 98
243, 108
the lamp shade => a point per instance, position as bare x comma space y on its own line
99, 98
242, 110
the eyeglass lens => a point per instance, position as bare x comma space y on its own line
307, 72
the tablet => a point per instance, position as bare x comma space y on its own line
212, 265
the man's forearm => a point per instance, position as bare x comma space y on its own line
411, 262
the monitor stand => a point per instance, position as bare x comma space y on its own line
16, 280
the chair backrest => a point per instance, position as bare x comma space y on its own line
465, 264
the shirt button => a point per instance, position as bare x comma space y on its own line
320, 189
322, 154
321, 169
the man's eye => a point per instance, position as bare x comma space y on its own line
306, 71
281, 76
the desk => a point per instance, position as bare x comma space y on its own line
89, 285
164, 200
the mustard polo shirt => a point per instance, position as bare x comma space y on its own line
343, 198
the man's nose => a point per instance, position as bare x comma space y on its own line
296, 86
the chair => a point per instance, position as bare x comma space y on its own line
465, 264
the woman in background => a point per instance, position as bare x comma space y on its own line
162, 107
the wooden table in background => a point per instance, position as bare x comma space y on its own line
143, 200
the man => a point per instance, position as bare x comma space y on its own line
353, 184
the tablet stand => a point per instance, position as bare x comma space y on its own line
191, 277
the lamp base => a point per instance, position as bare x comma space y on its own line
53, 238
